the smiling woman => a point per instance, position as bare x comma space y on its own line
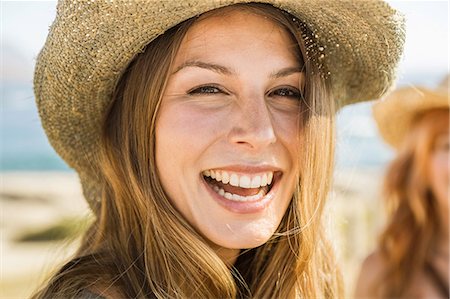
234, 104
204, 141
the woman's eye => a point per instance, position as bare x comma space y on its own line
288, 92
207, 89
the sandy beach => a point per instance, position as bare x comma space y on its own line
354, 216
32, 202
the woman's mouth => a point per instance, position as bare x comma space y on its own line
242, 193
239, 187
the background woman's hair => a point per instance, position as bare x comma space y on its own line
414, 222
141, 246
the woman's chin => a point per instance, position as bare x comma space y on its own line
243, 240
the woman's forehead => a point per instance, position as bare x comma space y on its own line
244, 22
220, 36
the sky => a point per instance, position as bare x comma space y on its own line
427, 36
24, 26
25, 23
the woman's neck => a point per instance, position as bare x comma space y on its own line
227, 255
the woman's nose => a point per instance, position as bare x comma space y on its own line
253, 127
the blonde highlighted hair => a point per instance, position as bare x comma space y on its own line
140, 245
414, 222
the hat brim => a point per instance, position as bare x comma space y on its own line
395, 114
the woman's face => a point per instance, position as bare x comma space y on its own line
227, 136
439, 169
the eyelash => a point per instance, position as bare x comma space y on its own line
288, 92
205, 90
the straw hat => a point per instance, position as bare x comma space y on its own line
357, 44
395, 114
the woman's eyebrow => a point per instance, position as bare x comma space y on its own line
286, 72
205, 65
226, 71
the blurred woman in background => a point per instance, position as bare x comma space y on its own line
412, 258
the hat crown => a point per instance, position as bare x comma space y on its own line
396, 114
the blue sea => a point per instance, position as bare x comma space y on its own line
24, 146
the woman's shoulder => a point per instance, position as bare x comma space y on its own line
370, 272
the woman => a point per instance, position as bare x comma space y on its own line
412, 259
199, 130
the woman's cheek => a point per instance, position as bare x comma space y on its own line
440, 175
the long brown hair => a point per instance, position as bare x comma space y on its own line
140, 245
414, 223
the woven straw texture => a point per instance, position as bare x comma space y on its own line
90, 43
395, 114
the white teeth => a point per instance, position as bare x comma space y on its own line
269, 178
264, 180
235, 197
243, 181
225, 177
256, 182
234, 180
218, 176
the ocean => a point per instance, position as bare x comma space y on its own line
24, 146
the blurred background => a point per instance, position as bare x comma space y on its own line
41, 205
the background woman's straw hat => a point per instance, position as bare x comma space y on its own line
395, 114
357, 44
